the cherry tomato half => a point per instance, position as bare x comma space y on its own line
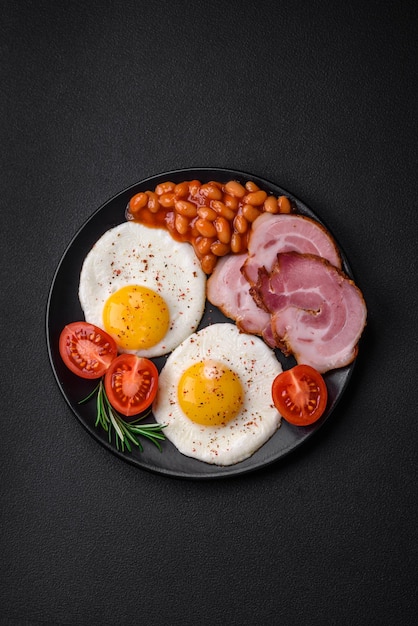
131, 384
300, 395
86, 349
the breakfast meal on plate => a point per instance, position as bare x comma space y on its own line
221, 393
214, 395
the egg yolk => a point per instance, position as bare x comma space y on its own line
137, 317
209, 393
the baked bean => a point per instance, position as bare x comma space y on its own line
194, 186
256, 198
181, 224
153, 202
208, 263
186, 208
223, 228
231, 201
284, 204
244, 240
181, 189
220, 249
194, 233
165, 187
203, 245
236, 243
138, 202
251, 186
271, 205
250, 212
240, 223
167, 199
234, 188
207, 213
205, 227
211, 191
222, 209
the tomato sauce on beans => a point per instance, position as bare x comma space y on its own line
214, 217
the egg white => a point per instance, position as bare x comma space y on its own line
133, 254
256, 365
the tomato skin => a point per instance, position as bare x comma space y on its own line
131, 384
86, 349
300, 395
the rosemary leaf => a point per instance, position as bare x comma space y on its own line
125, 428
99, 418
115, 425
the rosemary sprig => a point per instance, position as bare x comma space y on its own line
126, 433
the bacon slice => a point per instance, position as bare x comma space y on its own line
228, 289
317, 312
271, 234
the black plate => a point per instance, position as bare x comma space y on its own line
63, 307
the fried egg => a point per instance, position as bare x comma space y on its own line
214, 395
144, 288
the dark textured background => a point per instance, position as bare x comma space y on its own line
319, 97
